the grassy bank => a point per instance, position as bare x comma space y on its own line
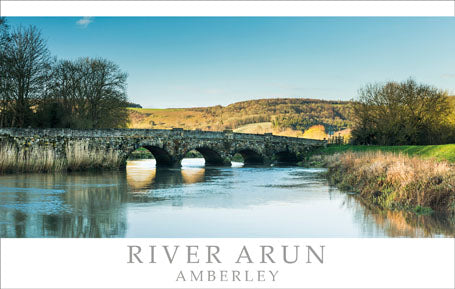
438, 152
395, 181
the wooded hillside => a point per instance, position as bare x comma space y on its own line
282, 116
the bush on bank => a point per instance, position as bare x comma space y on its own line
395, 181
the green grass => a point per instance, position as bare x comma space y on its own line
423, 210
438, 152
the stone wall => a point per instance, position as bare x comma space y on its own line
109, 148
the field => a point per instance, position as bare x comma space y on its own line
297, 117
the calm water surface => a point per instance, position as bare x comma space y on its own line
195, 201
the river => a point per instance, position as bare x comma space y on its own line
196, 201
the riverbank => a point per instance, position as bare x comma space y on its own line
394, 180
437, 152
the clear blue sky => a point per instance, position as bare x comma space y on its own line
188, 61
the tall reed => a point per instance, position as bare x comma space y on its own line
77, 155
29, 159
81, 155
395, 181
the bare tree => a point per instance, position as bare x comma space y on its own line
92, 92
106, 93
4, 83
26, 66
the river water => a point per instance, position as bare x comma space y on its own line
195, 201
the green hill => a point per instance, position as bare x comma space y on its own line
283, 116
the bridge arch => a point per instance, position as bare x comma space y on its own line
285, 157
250, 156
163, 158
211, 156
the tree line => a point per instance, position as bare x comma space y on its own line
38, 90
406, 113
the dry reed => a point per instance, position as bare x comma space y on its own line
395, 181
29, 159
80, 155
77, 155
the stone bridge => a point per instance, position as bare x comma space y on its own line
169, 147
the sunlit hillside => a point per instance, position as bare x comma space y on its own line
295, 117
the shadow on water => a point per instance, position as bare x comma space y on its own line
106, 204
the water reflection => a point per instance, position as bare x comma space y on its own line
63, 205
139, 175
224, 202
142, 175
402, 223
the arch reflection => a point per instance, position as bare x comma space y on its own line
143, 175
140, 174
193, 175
